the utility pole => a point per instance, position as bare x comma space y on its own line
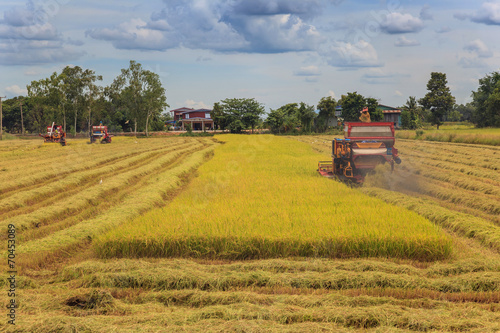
1, 117
22, 123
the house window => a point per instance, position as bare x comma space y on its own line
187, 116
207, 115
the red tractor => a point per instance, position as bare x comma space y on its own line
54, 133
100, 133
365, 145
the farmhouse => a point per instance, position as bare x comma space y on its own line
392, 115
199, 119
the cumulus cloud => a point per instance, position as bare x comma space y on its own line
360, 54
261, 26
489, 14
196, 105
478, 47
302, 8
133, 34
27, 36
398, 23
403, 41
16, 90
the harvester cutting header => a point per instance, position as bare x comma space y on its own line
365, 145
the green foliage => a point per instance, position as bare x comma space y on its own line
135, 97
487, 101
409, 114
352, 104
306, 115
439, 99
237, 114
326, 107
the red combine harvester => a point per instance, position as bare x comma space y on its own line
365, 145
100, 133
54, 133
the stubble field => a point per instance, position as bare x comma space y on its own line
187, 234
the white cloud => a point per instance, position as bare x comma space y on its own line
16, 90
189, 103
398, 93
398, 23
403, 41
360, 54
489, 13
332, 94
478, 47
257, 27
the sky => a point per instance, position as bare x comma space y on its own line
276, 51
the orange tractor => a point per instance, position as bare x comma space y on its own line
100, 133
54, 133
365, 145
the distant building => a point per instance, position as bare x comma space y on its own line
199, 119
391, 114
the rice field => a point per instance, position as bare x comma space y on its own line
60, 198
69, 281
257, 200
456, 134
454, 185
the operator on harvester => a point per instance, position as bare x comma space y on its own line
365, 116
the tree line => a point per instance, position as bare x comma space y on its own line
134, 101
438, 105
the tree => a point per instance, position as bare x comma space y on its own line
217, 114
239, 113
466, 110
252, 110
409, 115
326, 107
375, 113
486, 101
306, 115
275, 120
140, 94
439, 99
352, 104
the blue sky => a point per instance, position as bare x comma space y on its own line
277, 51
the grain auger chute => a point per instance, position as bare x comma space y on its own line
365, 145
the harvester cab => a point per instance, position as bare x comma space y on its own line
365, 145
100, 133
55, 133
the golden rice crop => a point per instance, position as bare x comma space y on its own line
260, 196
150, 194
